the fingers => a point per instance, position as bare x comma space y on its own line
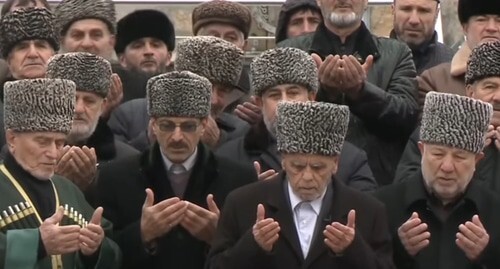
256, 165
212, 206
317, 60
174, 214
411, 223
351, 219
269, 174
368, 63
248, 112
57, 217
163, 205
260, 212
150, 198
97, 216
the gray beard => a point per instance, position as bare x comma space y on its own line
80, 136
344, 21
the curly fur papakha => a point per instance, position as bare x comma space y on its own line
69, 11
219, 61
311, 127
91, 73
220, 11
483, 62
455, 121
283, 66
178, 94
27, 24
39, 105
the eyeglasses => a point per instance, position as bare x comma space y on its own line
186, 127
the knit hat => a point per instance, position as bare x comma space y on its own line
283, 66
39, 105
144, 23
211, 57
178, 94
469, 8
311, 127
484, 62
455, 121
69, 11
91, 73
27, 24
220, 11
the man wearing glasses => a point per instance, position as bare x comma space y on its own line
164, 202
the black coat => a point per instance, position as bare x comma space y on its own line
403, 199
129, 122
257, 145
234, 245
386, 112
487, 169
121, 191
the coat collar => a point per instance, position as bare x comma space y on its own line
459, 61
364, 44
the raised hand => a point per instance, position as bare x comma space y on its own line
265, 231
57, 239
414, 235
269, 174
338, 236
472, 238
92, 235
200, 222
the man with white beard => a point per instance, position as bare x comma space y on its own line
374, 76
90, 143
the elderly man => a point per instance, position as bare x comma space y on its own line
145, 41
297, 17
46, 222
482, 81
164, 202
288, 74
90, 26
90, 143
414, 23
480, 21
27, 40
442, 217
211, 57
374, 76
303, 218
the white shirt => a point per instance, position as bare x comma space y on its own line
187, 164
305, 220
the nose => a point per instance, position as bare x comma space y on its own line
79, 106
177, 134
32, 52
87, 42
414, 19
52, 152
447, 165
308, 28
148, 49
307, 175
493, 25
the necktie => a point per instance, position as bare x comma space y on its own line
305, 222
179, 178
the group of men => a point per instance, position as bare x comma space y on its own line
289, 162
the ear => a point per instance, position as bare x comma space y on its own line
154, 126
468, 90
421, 147
103, 103
258, 101
479, 157
121, 59
203, 124
335, 162
245, 45
112, 41
312, 96
10, 138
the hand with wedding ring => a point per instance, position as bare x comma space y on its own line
159, 219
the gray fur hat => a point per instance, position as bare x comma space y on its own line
219, 61
283, 66
27, 24
178, 94
455, 121
91, 73
311, 127
483, 62
69, 11
39, 105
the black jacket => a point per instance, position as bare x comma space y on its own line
287, 10
234, 245
257, 145
129, 122
402, 199
122, 194
386, 112
487, 169
429, 54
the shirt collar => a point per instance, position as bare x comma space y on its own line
295, 200
188, 163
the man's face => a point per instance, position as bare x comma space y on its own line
487, 90
447, 171
226, 32
480, 29
270, 98
146, 55
342, 13
88, 109
221, 97
414, 20
178, 137
33, 3
28, 59
89, 35
309, 174
36, 152
303, 21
